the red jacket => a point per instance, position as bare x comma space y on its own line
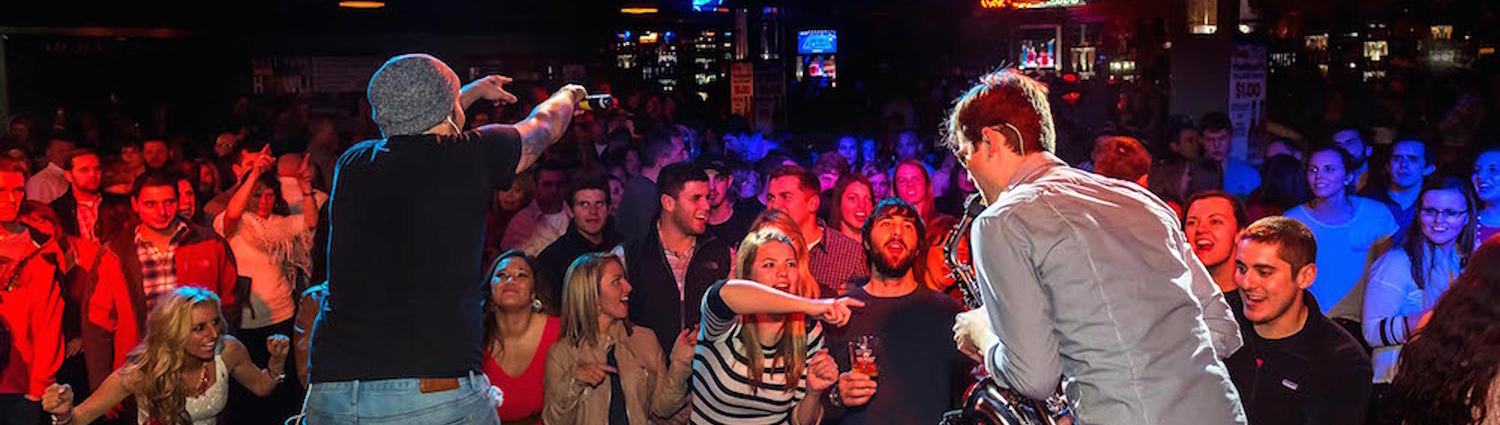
32, 313
117, 304
105, 343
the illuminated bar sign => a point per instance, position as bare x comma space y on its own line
1028, 4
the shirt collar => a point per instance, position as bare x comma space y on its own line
822, 243
1033, 168
176, 234
97, 198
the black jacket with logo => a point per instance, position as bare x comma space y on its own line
1320, 375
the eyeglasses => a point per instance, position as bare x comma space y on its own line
1444, 214
962, 155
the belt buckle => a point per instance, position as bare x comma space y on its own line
433, 385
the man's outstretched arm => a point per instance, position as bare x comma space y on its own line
547, 123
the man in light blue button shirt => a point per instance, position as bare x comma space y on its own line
1086, 281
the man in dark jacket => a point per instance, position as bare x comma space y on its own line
590, 231
1297, 366
672, 265
78, 209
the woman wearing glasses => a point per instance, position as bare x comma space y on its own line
1406, 282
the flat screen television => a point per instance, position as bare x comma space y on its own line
817, 42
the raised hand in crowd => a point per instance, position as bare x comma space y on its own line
278, 345
687, 342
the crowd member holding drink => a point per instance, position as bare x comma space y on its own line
738, 377
904, 330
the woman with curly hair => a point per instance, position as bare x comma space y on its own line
178, 374
1448, 370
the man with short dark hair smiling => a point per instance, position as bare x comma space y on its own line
1297, 366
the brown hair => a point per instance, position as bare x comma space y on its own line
540, 291
1414, 240
1122, 158
806, 179
841, 187
8, 164
1006, 98
1296, 244
928, 206
1447, 373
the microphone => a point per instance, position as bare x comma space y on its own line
974, 205
598, 102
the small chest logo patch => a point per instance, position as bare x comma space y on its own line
1289, 384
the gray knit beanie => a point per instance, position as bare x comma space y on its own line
412, 93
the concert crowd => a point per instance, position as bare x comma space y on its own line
656, 265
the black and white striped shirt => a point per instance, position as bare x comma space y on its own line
721, 391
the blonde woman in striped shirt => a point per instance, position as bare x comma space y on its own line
758, 360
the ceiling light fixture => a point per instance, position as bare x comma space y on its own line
638, 9
354, 4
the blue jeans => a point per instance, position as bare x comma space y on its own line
400, 401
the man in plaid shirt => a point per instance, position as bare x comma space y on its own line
837, 262
158, 255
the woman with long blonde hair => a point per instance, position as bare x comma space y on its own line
178, 373
605, 370
760, 361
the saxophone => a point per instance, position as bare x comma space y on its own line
986, 402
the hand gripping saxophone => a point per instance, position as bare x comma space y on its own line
986, 402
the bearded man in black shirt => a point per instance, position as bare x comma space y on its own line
920, 372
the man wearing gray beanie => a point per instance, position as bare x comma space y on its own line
407, 213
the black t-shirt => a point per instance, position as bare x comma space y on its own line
733, 230
922, 375
405, 251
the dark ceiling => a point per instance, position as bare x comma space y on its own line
589, 16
